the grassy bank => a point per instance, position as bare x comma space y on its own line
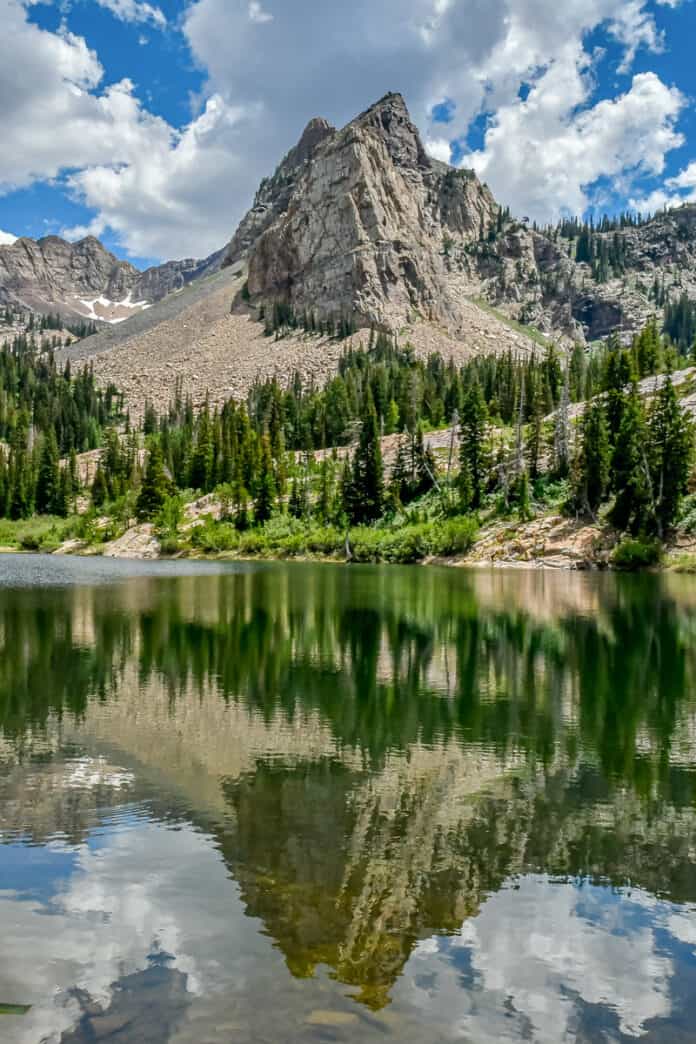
284, 537
40, 533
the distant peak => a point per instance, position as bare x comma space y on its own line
317, 125
391, 119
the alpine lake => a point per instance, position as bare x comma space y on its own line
296, 803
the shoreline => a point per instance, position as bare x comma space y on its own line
671, 563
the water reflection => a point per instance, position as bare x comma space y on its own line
463, 801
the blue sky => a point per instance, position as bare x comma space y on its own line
150, 124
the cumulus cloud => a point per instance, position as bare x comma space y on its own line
542, 952
156, 203
134, 11
6, 238
678, 190
54, 114
542, 153
167, 191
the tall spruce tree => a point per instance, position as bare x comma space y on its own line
473, 453
366, 497
266, 490
48, 477
671, 451
631, 478
594, 459
155, 487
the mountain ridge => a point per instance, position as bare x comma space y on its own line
360, 223
85, 280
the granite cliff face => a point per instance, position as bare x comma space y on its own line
274, 193
361, 223
365, 231
85, 280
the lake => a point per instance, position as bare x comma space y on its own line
265, 803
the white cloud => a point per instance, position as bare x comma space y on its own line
257, 13
686, 179
6, 238
54, 115
439, 149
542, 951
541, 154
678, 190
156, 204
134, 11
168, 191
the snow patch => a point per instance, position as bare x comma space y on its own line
108, 307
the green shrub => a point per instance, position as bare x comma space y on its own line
687, 515
213, 537
454, 537
636, 553
30, 542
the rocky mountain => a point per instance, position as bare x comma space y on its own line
85, 280
361, 223
363, 232
273, 196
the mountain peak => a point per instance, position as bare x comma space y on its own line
390, 118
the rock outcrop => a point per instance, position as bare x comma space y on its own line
274, 193
365, 232
84, 280
362, 224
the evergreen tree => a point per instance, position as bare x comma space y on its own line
298, 504
473, 455
265, 497
630, 469
155, 487
100, 490
367, 494
561, 435
671, 445
48, 478
465, 489
203, 458
594, 458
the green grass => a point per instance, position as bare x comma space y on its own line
528, 331
41, 533
14, 1009
283, 537
682, 563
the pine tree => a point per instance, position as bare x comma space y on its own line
155, 487
325, 499
465, 489
671, 445
473, 456
100, 490
298, 504
203, 458
48, 478
266, 493
630, 469
561, 435
594, 458
367, 480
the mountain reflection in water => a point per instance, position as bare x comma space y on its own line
305, 803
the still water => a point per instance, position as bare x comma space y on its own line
314, 803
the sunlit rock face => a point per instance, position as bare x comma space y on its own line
361, 236
84, 280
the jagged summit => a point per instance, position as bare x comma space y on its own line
360, 231
84, 280
390, 118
